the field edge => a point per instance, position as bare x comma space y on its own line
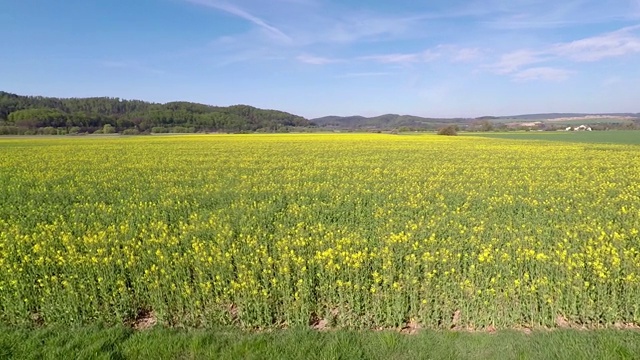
122, 342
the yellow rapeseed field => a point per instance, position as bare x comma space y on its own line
358, 231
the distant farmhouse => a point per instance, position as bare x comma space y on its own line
529, 125
578, 128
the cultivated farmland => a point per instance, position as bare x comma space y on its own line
356, 231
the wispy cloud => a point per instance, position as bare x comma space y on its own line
300, 2
306, 23
548, 14
316, 60
542, 73
365, 74
448, 52
613, 44
456, 53
403, 59
130, 65
362, 26
237, 11
515, 60
317, 32
608, 45
466, 55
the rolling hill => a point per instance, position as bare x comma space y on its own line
22, 114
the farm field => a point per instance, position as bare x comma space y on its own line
590, 121
631, 137
356, 231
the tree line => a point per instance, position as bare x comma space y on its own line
48, 115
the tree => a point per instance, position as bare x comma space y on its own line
486, 125
108, 129
450, 130
91, 114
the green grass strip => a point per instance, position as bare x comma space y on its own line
161, 343
629, 137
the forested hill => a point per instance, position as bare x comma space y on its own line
37, 114
387, 121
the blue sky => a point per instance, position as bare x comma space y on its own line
328, 57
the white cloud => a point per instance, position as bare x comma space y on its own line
546, 14
355, 27
365, 74
515, 60
467, 54
316, 60
450, 52
234, 10
305, 23
404, 59
542, 73
456, 53
300, 2
130, 65
613, 44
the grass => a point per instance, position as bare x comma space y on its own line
162, 343
589, 121
631, 137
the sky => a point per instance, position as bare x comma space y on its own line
439, 58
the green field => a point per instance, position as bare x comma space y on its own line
607, 137
124, 343
589, 121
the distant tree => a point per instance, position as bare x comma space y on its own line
486, 125
130, 132
48, 131
9, 130
450, 130
159, 130
108, 129
34, 118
